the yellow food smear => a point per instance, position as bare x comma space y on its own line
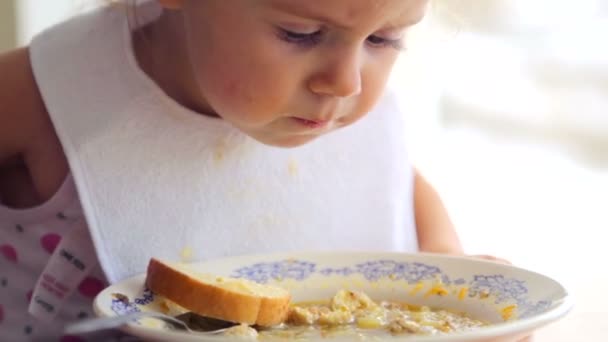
507, 312
220, 150
292, 167
416, 288
436, 290
463, 293
185, 254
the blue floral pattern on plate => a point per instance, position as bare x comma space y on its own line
121, 304
501, 288
286, 269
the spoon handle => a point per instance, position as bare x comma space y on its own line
94, 324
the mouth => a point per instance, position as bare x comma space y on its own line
311, 123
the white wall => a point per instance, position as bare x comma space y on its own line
35, 15
7, 25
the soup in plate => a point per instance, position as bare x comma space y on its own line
353, 313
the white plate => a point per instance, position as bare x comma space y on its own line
481, 288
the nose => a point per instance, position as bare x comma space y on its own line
339, 75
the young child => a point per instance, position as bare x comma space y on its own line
187, 129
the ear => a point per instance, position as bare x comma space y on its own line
171, 4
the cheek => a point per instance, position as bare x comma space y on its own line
230, 87
223, 83
237, 68
241, 85
374, 79
233, 89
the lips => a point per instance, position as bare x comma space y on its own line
311, 123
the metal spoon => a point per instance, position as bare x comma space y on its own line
95, 324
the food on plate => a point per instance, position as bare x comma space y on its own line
355, 312
253, 310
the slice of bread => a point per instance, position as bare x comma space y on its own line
229, 299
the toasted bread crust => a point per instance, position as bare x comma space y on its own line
212, 300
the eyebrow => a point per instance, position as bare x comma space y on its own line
299, 9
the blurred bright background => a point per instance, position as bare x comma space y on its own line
507, 104
508, 109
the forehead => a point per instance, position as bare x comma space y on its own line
353, 13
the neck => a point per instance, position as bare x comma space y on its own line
162, 53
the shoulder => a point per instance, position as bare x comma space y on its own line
26, 131
20, 102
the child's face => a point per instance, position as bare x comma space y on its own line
287, 71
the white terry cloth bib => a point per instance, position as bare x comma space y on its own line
156, 179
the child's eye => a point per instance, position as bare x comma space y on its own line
380, 42
300, 38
